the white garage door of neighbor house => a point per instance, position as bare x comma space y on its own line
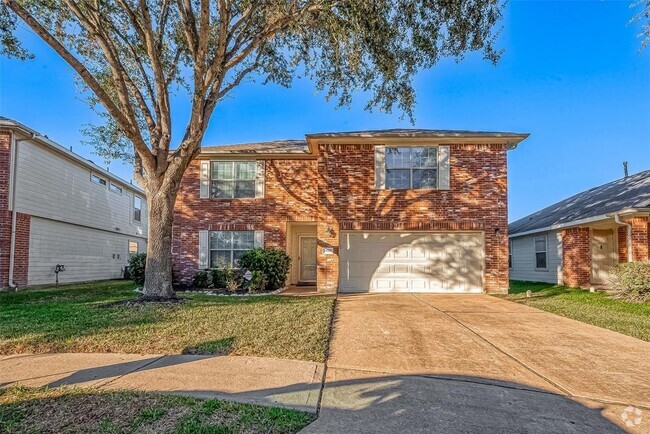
449, 262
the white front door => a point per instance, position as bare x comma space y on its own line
308, 259
603, 255
450, 262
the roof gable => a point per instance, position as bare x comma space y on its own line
615, 196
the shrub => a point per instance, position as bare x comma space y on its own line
258, 282
136, 266
631, 281
227, 278
200, 280
274, 263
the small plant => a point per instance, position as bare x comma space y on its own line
136, 267
234, 280
218, 276
273, 263
631, 281
258, 282
200, 280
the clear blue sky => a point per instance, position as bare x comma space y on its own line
571, 75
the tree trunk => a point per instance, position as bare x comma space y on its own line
158, 272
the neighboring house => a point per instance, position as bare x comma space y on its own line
370, 211
57, 208
577, 241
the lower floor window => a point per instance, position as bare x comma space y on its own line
133, 248
226, 247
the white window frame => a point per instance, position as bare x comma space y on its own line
232, 247
545, 251
115, 188
411, 167
135, 196
234, 179
137, 248
97, 179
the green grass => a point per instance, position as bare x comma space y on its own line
76, 319
24, 410
597, 308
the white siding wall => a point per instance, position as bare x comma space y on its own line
88, 254
54, 187
523, 259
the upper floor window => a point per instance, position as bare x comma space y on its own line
232, 179
137, 208
226, 247
411, 168
115, 188
98, 179
540, 252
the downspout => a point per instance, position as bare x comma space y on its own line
617, 219
12, 247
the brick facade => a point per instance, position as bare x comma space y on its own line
640, 238
576, 257
21, 252
337, 190
290, 195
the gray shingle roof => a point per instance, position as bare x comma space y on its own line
274, 147
624, 193
416, 132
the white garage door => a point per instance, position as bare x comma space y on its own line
449, 262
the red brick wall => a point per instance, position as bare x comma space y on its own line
21, 258
290, 195
338, 191
640, 238
622, 244
576, 257
477, 200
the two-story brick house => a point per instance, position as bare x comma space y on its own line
372, 211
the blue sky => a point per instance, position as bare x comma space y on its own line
571, 74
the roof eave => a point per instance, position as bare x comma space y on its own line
623, 212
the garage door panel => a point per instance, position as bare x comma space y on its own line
411, 262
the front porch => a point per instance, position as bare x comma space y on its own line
590, 252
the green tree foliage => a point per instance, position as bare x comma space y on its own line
131, 56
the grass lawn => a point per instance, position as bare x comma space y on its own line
598, 308
25, 410
76, 319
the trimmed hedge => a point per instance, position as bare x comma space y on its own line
631, 281
273, 263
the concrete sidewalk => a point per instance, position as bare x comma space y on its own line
256, 380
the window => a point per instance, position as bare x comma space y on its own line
510, 254
232, 179
115, 188
133, 248
226, 247
540, 252
98, 179
137, 208
412, 168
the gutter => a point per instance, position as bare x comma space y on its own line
617, 219
12, 248
579, 222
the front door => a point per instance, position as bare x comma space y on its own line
308, 259
603, 255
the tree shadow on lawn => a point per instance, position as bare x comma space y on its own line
426, 403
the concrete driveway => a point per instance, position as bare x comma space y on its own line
475, 363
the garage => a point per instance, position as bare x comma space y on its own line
443, 262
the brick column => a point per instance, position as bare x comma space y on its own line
576, 257
5, 214
622, 244
639, 238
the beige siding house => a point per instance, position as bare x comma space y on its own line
61, 209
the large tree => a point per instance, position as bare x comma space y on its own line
131, 56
